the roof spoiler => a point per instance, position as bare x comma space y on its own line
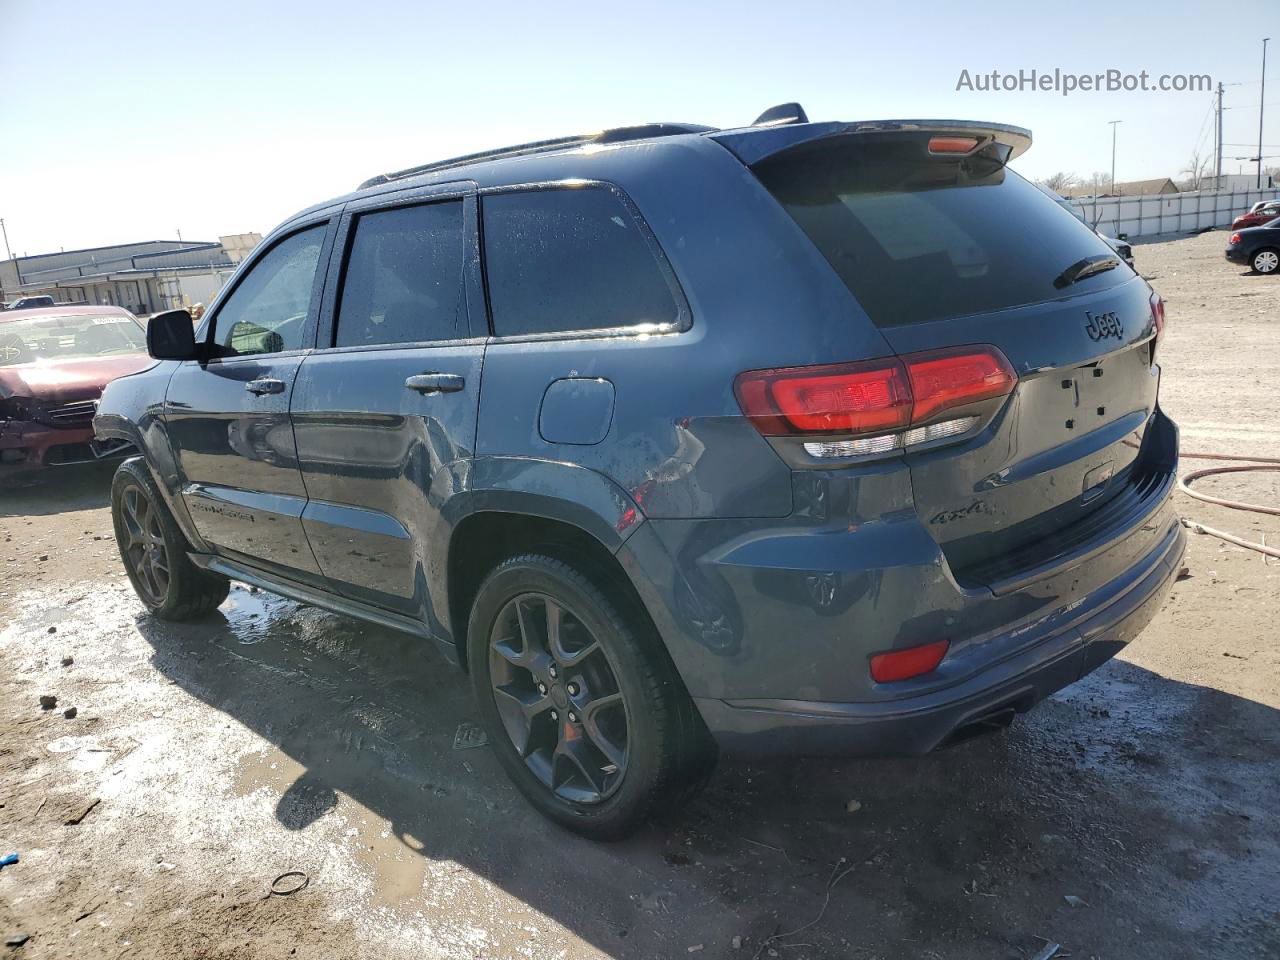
755, 143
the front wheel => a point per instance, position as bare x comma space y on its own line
581, 703
1265, 261
154, 550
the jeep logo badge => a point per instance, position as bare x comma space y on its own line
1103, 325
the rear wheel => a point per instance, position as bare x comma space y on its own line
154, 550
1265, 261
582, 705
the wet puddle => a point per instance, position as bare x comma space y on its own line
396, 863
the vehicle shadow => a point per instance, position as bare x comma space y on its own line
56, 490
1116, 791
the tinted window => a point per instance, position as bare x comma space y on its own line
404, 277
569, 259
918, 238
267, 312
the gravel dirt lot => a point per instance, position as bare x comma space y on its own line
205, 760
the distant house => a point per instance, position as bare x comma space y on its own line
1131, 188
142, 277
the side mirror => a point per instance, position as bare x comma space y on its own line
171, 336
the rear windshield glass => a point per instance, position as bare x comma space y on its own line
917, 237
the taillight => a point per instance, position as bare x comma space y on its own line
952, 378
884, 397
1157, 313
905, 664
1234, 240
840, 398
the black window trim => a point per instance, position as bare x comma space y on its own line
291, 229
459, 190
684, 316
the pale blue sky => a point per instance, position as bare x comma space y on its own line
128, 120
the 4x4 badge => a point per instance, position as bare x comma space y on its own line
1103, 325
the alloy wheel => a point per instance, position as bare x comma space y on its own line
144, 549
558, 696
1267, 261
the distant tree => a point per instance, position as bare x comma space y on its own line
1060, 182
1196, 170
1098, 183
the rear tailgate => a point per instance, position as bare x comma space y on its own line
1068, 445
942, 245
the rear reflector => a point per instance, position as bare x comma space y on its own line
875, 397
952, 144
905, 664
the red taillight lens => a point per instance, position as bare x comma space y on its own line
951, 378
844, 398
874, 397
952, 144
905, 664
1157, 313
1234, 239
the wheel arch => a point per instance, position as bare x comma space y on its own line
521, 506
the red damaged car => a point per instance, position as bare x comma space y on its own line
54, 362
1258, 214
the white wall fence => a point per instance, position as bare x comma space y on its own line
1170, 212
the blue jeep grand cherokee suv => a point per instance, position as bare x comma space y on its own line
821, 438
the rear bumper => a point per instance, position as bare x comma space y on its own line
920, 724
1236, 254
26, 447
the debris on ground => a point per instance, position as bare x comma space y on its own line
8, 860
17, 939
78, 818
70, 713
853, 806
289, 883
53, 630
48, 701
68, 661
737, 943
1075, 902
1049, 952
468, 736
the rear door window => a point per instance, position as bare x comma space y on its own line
917, 237
403, 281
569, 259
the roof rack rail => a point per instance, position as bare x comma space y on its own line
616, 135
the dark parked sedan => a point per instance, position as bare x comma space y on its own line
1257, 247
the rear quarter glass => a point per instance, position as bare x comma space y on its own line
917, 237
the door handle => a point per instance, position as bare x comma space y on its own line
264, 385
435, 382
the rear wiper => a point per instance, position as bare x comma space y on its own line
1085, 268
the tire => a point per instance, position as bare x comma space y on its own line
555, 742
154, 550
1266, 261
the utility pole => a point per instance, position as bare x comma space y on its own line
1261, 100
1218, 167
1113, 153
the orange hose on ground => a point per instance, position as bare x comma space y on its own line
1253, 463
